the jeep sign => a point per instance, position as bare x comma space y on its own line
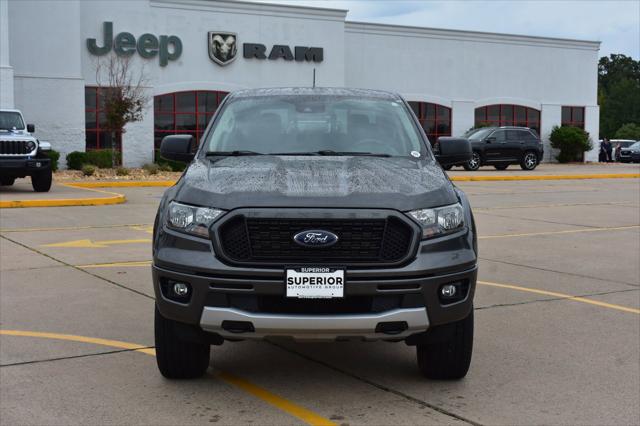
168, 48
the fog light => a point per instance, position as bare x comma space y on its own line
38, 164
180, 289
448, 290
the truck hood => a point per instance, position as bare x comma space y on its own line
307, 181
16, 135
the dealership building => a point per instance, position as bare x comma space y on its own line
193, 52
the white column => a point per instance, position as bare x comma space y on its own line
6, 70
137, 140
462, 117
592, 126
550, 116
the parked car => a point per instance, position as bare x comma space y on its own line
314, 214
502, 146
624, 143
631, 154
21, 154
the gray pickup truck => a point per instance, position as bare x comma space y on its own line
21, 154
314, 214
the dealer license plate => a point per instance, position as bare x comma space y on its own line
315, 282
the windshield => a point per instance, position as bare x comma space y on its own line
325, 124
635, 146
11, 120
478, 134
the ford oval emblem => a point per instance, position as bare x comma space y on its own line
315, 238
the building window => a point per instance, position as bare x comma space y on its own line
508, 115
184, 113
435, 119
573, 116
98, 135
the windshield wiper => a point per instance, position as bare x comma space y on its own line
330, 152
354, 153
236, 153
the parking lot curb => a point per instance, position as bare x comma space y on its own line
114, 198
123, 184
545, 177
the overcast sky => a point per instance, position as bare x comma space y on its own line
616, 23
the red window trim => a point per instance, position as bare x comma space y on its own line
572, 122
534, 124
423, 118
98, 129
199, 130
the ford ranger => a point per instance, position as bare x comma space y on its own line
314, 214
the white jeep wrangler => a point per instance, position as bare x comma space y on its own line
21, 154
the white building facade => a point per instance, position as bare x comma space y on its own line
193, 52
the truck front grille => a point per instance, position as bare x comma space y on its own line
13, 148
264, 240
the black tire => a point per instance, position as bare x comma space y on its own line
473, 164
177, 358
448, 359
41, 181
447, 167
501, 166
529, 161
7, 181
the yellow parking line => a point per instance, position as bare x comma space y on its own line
295, 410
82, 339
283, 404
76, 228
563, 296
570, 231
117, 264
123, 184
545, 177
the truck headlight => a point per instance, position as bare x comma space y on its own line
439, 221
31, 145
191, 219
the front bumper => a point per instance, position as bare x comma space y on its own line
23, 166
315, 327
417, 317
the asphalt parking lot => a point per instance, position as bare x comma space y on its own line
557, 325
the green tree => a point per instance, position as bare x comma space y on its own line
618, 93
125, 97
629, 131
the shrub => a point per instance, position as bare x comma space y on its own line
176, 166
121, 171
571, 141
76, 159
628, 131
151, 168
54, 156
100, 158
88, 169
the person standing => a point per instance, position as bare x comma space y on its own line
608, 147
602, 155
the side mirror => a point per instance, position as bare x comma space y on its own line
177, 147
490, 139
31, 128
452, 151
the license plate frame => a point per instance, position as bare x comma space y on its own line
333, 280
